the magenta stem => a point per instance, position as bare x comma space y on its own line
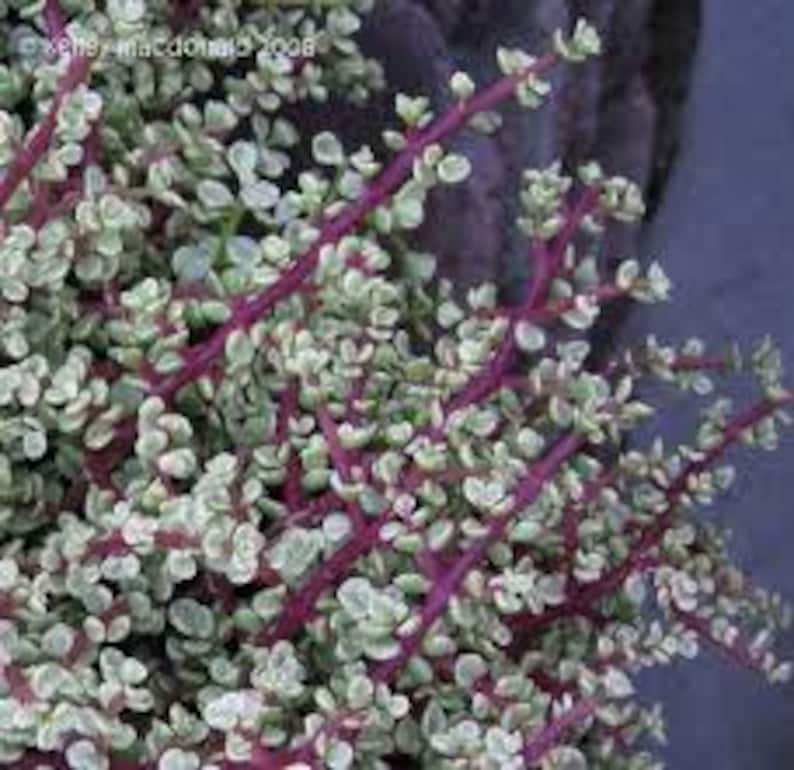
530, 623
738, 652
442, 591
552, 734
547, 265
54, 21
250, 311
41, 137
571, 519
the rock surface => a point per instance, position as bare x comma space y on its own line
609, 109
725, 232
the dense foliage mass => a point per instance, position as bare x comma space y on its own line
274, 496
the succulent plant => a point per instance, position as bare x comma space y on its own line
273, 494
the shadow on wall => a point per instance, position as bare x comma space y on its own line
674, 34
623, 109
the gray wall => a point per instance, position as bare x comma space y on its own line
725, 233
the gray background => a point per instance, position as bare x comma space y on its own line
725, 232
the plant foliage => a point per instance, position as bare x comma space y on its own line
272, 495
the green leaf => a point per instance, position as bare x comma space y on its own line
408, 212
584, 43
440, 534
243, 157
413, 111
9, 573
469, 669
126, 11
240, 350
339, 756
178, 463
530, 338
355, 596
58, 640
84, 755
342, 22
34, 445
360, 691
191, 618
462, 86
454, 169
192, 263
583, 315
327, 150
512, 61
214, 194
218, 116
260, 196
627, 274
295, 552
617, 683
178, 759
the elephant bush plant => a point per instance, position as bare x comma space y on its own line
272, 495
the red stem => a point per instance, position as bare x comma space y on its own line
183, 14
341, 461
339, 456
571, 517
250, 311
293, 495
288, 409
40, 139
738, 652
40, 206
199, 359
652, 534
553, 733
300, 606
695, 363
438, 598
547, 266
311, 512
54, 21
288, 406
600, 295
